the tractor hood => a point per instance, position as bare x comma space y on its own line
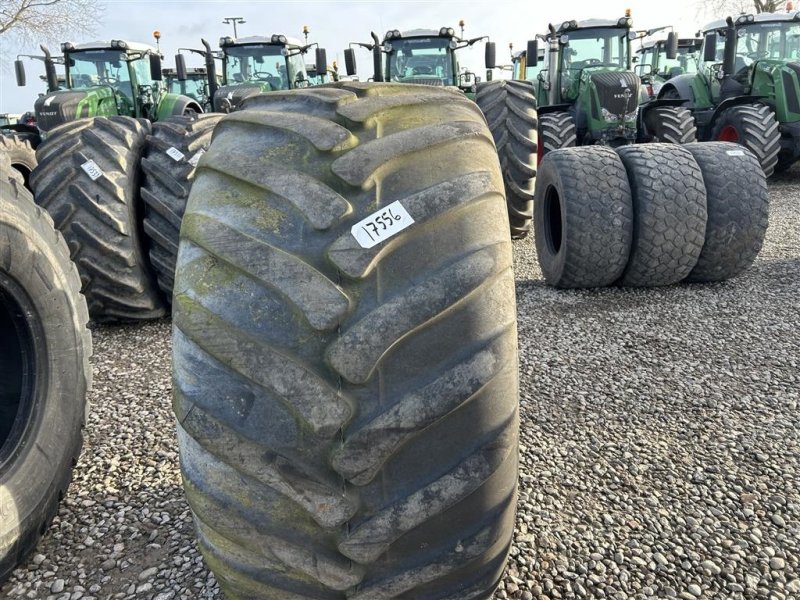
229, 97
67, 105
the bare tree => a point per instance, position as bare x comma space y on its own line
719, 8
52, 21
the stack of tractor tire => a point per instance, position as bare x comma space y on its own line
649, 215
116, 188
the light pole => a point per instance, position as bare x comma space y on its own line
233, 21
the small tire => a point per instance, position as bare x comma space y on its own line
556, 130
168, 166
347, 415
44, 370
755, 127
510, 110
671, 125
583, 217
19, 151
100, 218
738, 210
669, 207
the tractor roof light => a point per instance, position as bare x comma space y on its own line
120, 44
278, 38
447, 32
625, 22
67, 47
225, 41
393, 34
627, 12
741, 19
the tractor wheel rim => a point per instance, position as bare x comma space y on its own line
728, 134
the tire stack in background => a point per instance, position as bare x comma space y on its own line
116, 188
649, 215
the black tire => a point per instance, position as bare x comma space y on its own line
510, 110
556, 130
348, 420
583, 217
100, 219
44, 370
20, 153
738, 210
669, 208
755, 127
166, 180
671, 125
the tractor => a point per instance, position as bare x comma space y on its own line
655, 68
747, 88
106, 79
195, 85
422, 56
252, 65
589, 94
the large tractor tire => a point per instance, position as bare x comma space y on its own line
345, 357
583, 217
556, 130
669, 207
168, 167
510, 110
671, 125
44, 370
88, 180
755, 127
738, 210
20, 153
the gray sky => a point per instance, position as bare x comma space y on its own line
333, 24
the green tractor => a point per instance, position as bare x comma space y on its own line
589, 94
655, 68
747, 88
252, 65
195, 85
106, 79
423, 57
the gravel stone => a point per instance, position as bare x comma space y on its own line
659, 458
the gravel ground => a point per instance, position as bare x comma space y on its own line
660, 458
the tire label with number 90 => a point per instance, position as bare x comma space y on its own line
381, 225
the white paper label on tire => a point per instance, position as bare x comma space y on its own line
196, 158
92, 170
734, 152
175, 154
381, 225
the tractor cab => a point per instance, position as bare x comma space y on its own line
256, 64
194, 84
654, 65
423, 57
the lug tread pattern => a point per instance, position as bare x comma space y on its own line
758, 131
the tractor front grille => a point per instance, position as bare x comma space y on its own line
617, 91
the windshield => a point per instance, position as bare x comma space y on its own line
685, 62
778, 40
603, 46
194, 86
417, 59
256, 63
88, 68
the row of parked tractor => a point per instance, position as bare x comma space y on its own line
337, 258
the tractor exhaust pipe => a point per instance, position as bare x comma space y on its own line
49, 70
552, 66
211, 70
376, 58
729, 59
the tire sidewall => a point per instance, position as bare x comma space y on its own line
552, 263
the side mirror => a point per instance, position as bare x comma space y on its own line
532, 53
180, 67
490, 55
710, 48
350, 61
322, 61
155, 67
672, 45
19, 70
